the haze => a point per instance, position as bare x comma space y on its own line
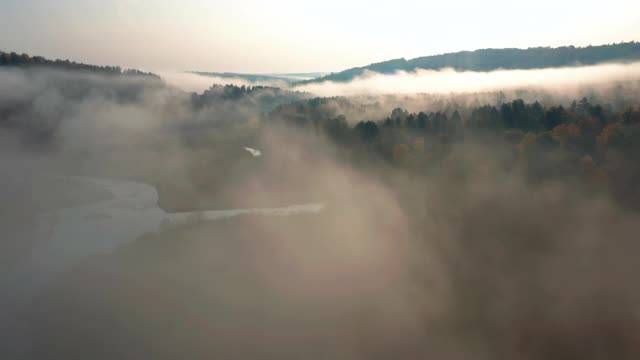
296, 36
160, 200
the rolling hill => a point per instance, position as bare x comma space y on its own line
493, 59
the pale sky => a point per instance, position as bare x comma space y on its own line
269, 36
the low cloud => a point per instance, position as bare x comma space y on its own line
451, 81
198, 83
466, 261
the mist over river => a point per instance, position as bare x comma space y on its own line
68, 236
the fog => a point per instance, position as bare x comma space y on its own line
443, 251
191, 82
451, 81
377, 94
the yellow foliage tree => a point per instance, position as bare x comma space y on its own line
611, 135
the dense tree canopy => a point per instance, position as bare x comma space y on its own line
549, 142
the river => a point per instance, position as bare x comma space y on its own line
70, 235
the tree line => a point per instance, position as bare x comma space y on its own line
12, 59
494, 59
587, 140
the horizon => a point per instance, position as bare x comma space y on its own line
288, 37
317, 72
407, 59
204, 179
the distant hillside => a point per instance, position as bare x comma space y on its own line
493, 59
23, 60
265, 78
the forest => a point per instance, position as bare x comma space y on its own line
12, 59
593, 142
476, 225
495, 59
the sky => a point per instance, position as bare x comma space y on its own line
277, 36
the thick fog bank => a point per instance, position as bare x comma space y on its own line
479, 227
